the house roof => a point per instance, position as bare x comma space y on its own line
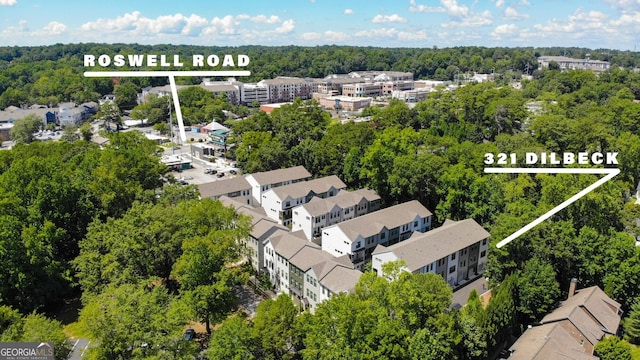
280, 175
302, 189
591, 311
391, 217
288, 244
262, 226
309, 256
223, 187
424, 248
345, 199
341, 278
265, 227
550, 341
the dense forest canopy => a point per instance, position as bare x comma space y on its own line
103, 225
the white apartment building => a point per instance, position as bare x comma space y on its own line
278, 202
285, 89
263, 181
457, 251
254, 92
318, 213
358, 237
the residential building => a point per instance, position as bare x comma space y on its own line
327, 278
250, 93
261, 228
318, 213
302, 287
13, 113
572, 330
359, 236
457, 251
69, 114
263, 181
278, 249
237, 188
285, 89
278, 202
229, 88
567, 63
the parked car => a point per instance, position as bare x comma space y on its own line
189, 334
210, 171
220, 174
232, 172
183, 182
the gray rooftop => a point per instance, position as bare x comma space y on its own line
392, 217
288, 244
345, 199
424, 248
223, 187
281, 175
302, 189
545, 342
309, 256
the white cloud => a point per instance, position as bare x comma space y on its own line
504, 29
7, 2
335, 36
286, 27
512, 14
243, 17
226, 25
348, 11
499, 3
309, 36
414, 7
412, 36
54, 28
377, 33
524, 3
453, 9
475, 20
273, 19
624, 5
194, 25
388, 18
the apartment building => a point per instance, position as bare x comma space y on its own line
457, 251
237, 188
328, 278
250, 93
318, 213
278, 202
278, 249
567, 63
261, 229
358, 237
263, 181
285, 89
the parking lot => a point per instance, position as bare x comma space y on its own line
197, 174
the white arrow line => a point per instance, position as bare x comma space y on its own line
610, 173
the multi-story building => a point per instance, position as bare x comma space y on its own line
318, 213
278, 202
344, 103
328, 278
457, 251
263, 181
237, 188
567, 63
362, 89
285, 89
250, 93
261, 228
278, 249
359, 236
229, 88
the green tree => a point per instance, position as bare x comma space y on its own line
234, 340
632, 324
538, 289
274, 328
612, 348
126, 95
86, 131
23, 130
109, 112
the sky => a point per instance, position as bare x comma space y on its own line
594, 24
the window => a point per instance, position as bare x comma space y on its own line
483, 253
415, 224
453, 256
452, 269
383, 235
484, 242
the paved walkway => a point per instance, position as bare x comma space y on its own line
461, 295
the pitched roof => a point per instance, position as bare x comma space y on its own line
315, 186
280, 175
424, 248
345, 199
549, 341
261, 225
223, 187
591, 311
392, 217
309, 256
288, 244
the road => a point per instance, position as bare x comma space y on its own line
80, 347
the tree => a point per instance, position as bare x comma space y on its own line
126, 95
274, 328
612, 348
24, 129
36, 328
538, 289
632, 324
110, 113
86, 131
234, 340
